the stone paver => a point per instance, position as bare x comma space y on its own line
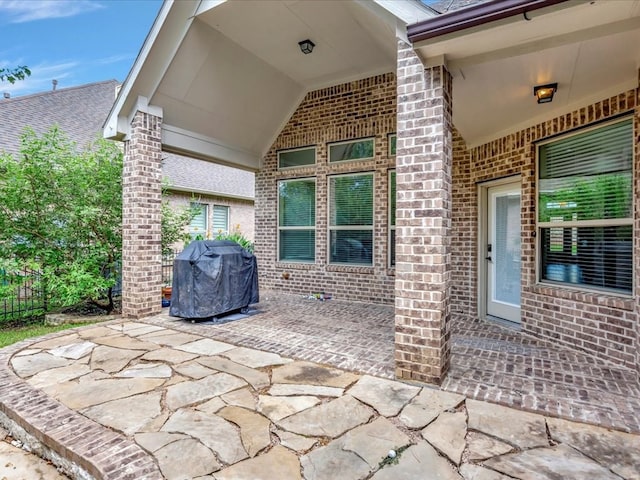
278, 463
127, 415
373, 441
328, 419
239, 413
74, 350
32, 364
205, 346
112, 359
16, 464
213, 432
427, 405
254, 428
284, 389
307, 373
447, 433
553, 463
197, 461
277, 408
187, 393
332, 462
414, 462
255, 378
386, 396
482, 446
86, 394
620, 453
254, 358
522, 429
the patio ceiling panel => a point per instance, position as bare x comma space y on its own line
227, 75
495, 66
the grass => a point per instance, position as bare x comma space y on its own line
13, 335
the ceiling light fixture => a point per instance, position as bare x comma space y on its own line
306, 46
544, 93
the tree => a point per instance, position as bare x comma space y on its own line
12, 75
61, 210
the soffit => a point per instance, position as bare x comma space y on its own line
238, 73
591, 49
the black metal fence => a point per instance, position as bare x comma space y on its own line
22, 294
167, 268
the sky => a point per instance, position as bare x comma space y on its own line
73, 41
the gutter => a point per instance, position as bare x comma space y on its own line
177, 188
473, 16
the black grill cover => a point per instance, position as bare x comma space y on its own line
211, 277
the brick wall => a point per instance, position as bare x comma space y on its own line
363, 108
605, 325
141, 197
423, 235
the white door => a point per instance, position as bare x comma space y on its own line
503, 252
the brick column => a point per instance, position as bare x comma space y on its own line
141, 198
636, 223
423, 219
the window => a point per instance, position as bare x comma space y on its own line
220, 219
198, 226
585, 208
392, 218
351, 219
351, 150
392, 144
297, 220
297, 157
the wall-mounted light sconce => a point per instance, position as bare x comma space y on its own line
545, 93
306, 46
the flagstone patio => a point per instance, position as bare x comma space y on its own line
167, 398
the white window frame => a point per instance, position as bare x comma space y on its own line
575, 224
371, 227
290, 228
389, 143
356, 140
217, 231
204, 206
299, 149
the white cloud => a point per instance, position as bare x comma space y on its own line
41, 77
20, 11
113, 59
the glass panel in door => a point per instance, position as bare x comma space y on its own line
503, 252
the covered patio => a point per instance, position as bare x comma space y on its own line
227, 81
489, 361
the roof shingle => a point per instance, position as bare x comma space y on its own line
80, 113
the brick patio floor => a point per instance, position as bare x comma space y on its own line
489, 361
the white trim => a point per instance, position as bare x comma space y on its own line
183, 141
482, 236
371, 227
298, 149
115, 127
297, 227
177, 188
614, 222
355, 140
